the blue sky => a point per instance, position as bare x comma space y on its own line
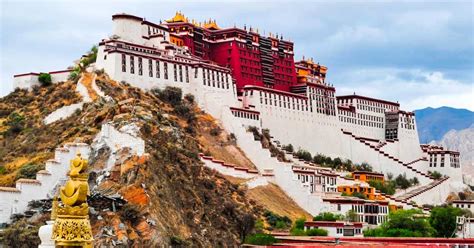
420, 53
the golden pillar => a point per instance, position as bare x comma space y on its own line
72, 226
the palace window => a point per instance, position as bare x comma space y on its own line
213, 79
187, 74
203, 76
124, 63
208, 78
180, 73
175, 72
150, 68
442, 160
157, 68
165, 68
140, 67
132, 65
196, 72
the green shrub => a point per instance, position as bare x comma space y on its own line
260, 239
170, 95
387, 187
434, 174
272, 219
288, 148
303, 154
73, 76
316, 232
328, 216
359, 195
297, 232
45, 79
2, 170
21, 234
364, 167
28, 171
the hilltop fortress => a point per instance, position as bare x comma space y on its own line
245, 79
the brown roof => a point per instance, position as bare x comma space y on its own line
10, 189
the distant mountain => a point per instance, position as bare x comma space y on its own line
434, 123
461, 141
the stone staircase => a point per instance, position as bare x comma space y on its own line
15, 199
283, 173
409, 195
374, 148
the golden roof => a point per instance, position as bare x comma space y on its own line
211, 24
178, 17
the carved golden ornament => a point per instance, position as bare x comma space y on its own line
72, 231
72, 226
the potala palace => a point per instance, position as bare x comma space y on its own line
246, 79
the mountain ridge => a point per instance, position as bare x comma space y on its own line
434, 123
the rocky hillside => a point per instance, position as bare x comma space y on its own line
434, 123
164, 197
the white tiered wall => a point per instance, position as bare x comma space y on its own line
15, 200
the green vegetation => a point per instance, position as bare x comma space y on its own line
403, 223
90, 58
351, 216
276, 221
413, 223
389, 186
28, 171
303, 154
298, 229
339, 164
260, 239
317, 232
435, 174
443, 220
15, 123
45, 79
288, 148
21, 234
171, 95
328, 216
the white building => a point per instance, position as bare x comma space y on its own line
337, 228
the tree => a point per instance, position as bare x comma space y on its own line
298, 227
403, 223
364, 167
288, 148
303, 154
351, 216
45, 79
402, 181
319, 159
443, 220
414, 181
245, 225
337, 162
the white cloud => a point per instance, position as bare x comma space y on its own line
413, 88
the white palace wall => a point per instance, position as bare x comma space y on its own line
15, 200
